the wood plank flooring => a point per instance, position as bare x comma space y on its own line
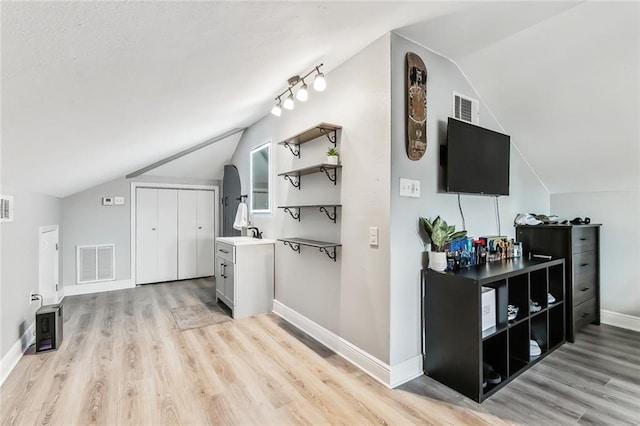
124, 361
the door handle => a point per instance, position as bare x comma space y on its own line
223, 250
584, 315
583, 239
153, 229
585, 289
199, 227
584, 264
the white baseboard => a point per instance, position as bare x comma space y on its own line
11, 358
620, 320
74, 290
377, 369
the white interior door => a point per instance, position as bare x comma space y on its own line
205, 232
187, 235
167, 235
146, 235
48, 277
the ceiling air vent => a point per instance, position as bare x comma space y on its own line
6, 208
95, 263
466, 108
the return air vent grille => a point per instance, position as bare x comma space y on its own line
96, 263
6, 208
466, 108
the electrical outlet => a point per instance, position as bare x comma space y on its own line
373, 236
118, 201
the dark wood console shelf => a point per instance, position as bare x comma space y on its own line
322, 129
322, 207
455, 344
325, 247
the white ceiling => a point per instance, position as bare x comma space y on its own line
205, 163
92, 91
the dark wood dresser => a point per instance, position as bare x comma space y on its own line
579, 245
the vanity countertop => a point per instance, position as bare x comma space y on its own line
244, 241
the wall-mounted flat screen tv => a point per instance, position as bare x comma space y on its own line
477, 159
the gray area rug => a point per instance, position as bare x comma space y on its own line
201, 315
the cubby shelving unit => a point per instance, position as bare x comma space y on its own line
331, 210
455, 344
322, 129
328, 248
330, 131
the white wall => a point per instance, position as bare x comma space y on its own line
527, 192
19, 258
87, 221
618, 212
349, 297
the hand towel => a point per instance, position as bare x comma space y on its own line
241, 220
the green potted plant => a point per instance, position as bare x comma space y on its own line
332, 156
440, 234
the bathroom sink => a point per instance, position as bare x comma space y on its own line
244, 240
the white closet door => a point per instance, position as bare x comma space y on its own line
187, 235
167, 235
146, 235
205, 232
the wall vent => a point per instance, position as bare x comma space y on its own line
466, 108
6, 208
95, 263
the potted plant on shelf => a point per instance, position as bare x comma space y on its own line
440, 234
332, 156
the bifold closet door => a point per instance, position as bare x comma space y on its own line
156, 235
187, 235
205, 233
146, 235
168, 235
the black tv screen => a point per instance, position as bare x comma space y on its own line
477, 159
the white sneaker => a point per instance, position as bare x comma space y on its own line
534, 349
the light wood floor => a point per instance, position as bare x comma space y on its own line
124, 361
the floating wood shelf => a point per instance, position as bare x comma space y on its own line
328, 248
322, 207
326, 129
293, 176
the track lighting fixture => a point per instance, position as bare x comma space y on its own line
288, 102
302, 94
277, 110
319, 83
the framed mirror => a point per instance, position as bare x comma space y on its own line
260, 167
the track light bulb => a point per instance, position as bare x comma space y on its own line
276, 110
288, 103
319, 83
303, 94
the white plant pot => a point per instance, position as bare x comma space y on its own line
437, 261
332, 159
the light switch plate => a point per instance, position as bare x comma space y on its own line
107, 201
409, 188
373, 235
118, 201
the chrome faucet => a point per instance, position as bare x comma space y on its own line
256, 232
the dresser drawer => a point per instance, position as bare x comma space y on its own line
583, 239
584, 314
226, 251
584, 276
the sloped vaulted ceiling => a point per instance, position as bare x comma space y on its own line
566, 87
92, 91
